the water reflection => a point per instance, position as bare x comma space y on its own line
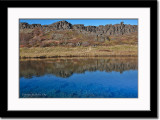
66, 67
79, 78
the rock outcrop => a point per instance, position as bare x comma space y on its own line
61, 25
101, 30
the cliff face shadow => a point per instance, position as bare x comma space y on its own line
66, 67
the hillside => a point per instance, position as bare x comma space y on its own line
63, 33
64, 39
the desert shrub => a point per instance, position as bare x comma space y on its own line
47, 43
24, 38
38, 32
108, 38
21, 46
33, 42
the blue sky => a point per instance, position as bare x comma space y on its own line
86, 22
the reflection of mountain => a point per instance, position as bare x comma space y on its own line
66, 67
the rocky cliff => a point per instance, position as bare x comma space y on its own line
101, 30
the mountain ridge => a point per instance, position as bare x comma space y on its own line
108, 29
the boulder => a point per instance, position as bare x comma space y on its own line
85, 44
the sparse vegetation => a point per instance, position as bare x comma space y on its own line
59, 51
39, 42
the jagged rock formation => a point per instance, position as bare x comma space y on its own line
117, 29
63, 33
61, 25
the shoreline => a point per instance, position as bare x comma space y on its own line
60, 51
43, 57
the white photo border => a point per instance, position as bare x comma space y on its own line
107, 104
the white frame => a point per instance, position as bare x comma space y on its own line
143, 100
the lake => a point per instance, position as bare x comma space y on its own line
79, 77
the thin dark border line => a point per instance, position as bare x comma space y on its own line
73, 24
79, 18
83, 0
80, 0
153, 34
77, 7
7, 60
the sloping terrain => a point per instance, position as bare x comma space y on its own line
64, 39
39, 38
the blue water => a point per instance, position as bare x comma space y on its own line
88, 84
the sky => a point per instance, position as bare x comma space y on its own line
86, 22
